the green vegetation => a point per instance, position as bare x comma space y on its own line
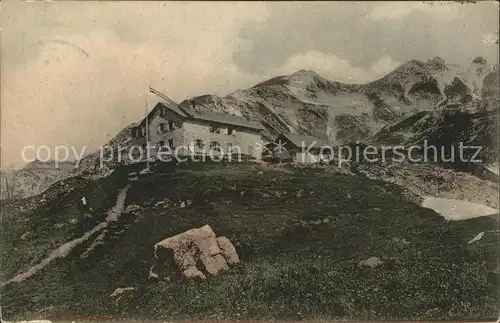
300, 234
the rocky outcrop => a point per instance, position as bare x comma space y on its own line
194, 254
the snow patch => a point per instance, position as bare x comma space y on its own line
456, 210
494, 167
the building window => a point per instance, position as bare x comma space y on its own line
214, 129
199, 143
230, 131
143, 131
171, 143
134, 132
162, 127
163, 111
229, 148
171, 126
214, 145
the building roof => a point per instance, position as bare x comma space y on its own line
203, 115
174, 107
212, 116
306, 141
136, 124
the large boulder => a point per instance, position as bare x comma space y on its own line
194, 254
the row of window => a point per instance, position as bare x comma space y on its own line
165, 127
170, 143
213, 144
199, 144
138, 132
226, 131
170, 126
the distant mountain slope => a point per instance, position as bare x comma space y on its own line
38, 176
472, 124
34, 178
307, 103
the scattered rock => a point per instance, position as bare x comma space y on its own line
84, 200
371, 262
152, 273
300, 193
122, 295
161, 203
132, 208
183, 204
265, 195
194, 253
145, 171
25, 235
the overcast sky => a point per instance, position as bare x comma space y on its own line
75, 73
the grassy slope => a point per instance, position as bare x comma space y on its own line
299, 247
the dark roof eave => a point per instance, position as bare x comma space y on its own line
227, 123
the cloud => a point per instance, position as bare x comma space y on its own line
399, 10
362, 32
61, 96
338, 69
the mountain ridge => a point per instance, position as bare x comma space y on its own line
307, 103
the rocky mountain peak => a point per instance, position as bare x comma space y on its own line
436, 63
304, 74
305, 102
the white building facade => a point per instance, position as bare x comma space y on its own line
190, 132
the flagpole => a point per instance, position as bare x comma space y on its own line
147, 130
